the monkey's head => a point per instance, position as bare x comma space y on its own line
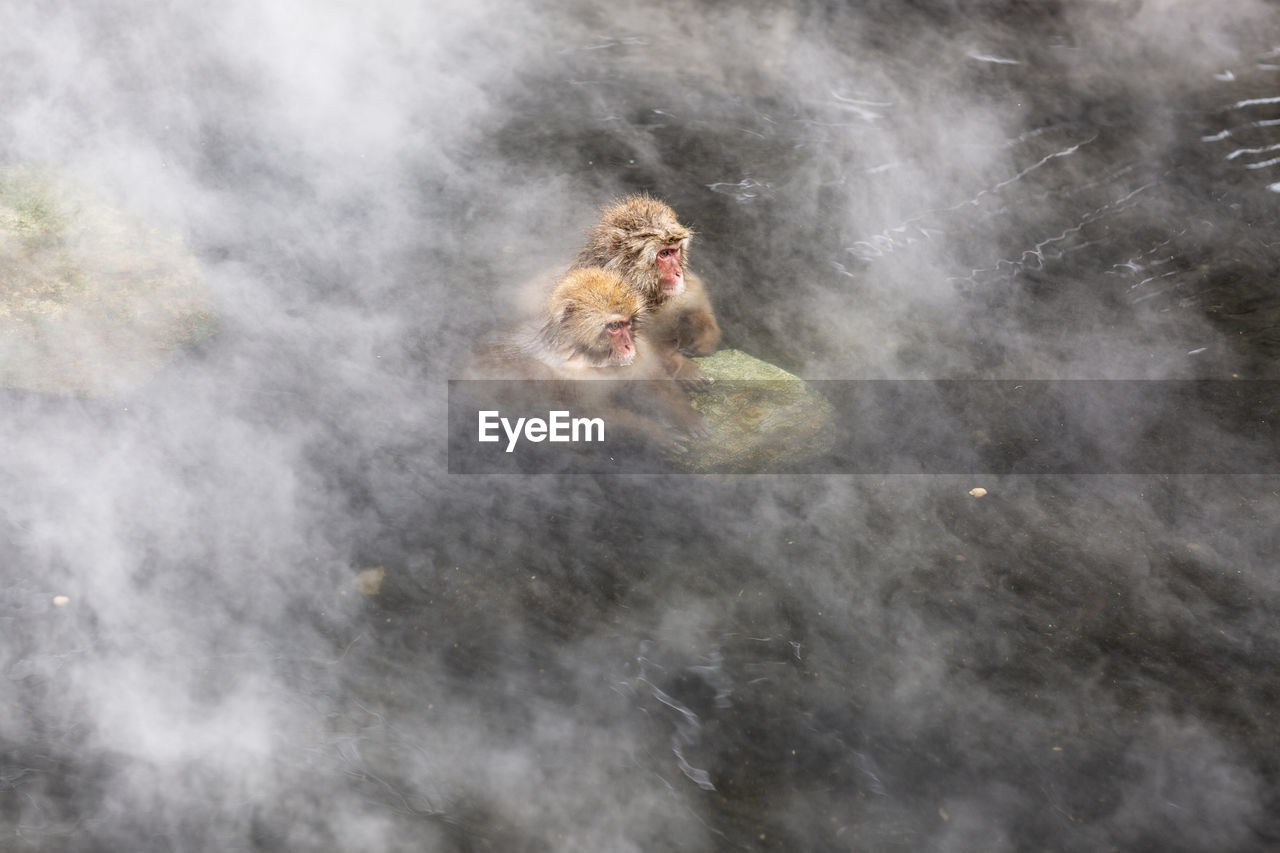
593, 316
641, 239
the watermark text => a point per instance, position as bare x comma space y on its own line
559, 426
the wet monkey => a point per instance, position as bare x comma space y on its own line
641, 239
590, 322
586, 332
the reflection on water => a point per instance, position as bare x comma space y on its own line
1079, 191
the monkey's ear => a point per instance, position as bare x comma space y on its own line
568, 310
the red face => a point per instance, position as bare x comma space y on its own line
622, 347
671, 270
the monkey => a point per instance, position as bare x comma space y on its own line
589, 329
641, 239
588, 323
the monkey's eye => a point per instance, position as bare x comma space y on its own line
615, 325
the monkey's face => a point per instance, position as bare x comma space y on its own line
641, 239
612, 345
596, 315
670, 264
619, 339
655, 268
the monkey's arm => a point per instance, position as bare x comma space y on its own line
695, 330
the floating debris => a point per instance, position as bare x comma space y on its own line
369, 582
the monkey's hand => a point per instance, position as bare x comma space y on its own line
701, 429
691, 422
667, 440
679, 412
685, 371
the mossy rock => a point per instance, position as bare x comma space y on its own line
762, 418
93, 301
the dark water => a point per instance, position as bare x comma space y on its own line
919, 190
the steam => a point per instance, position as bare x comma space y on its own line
640, 663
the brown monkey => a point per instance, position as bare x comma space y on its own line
641, 239
588, 323
587, 331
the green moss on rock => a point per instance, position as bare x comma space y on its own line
761, 418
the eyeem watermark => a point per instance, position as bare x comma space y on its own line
918, 426
560, 426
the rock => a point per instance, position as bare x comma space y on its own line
95, 300
762, 418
